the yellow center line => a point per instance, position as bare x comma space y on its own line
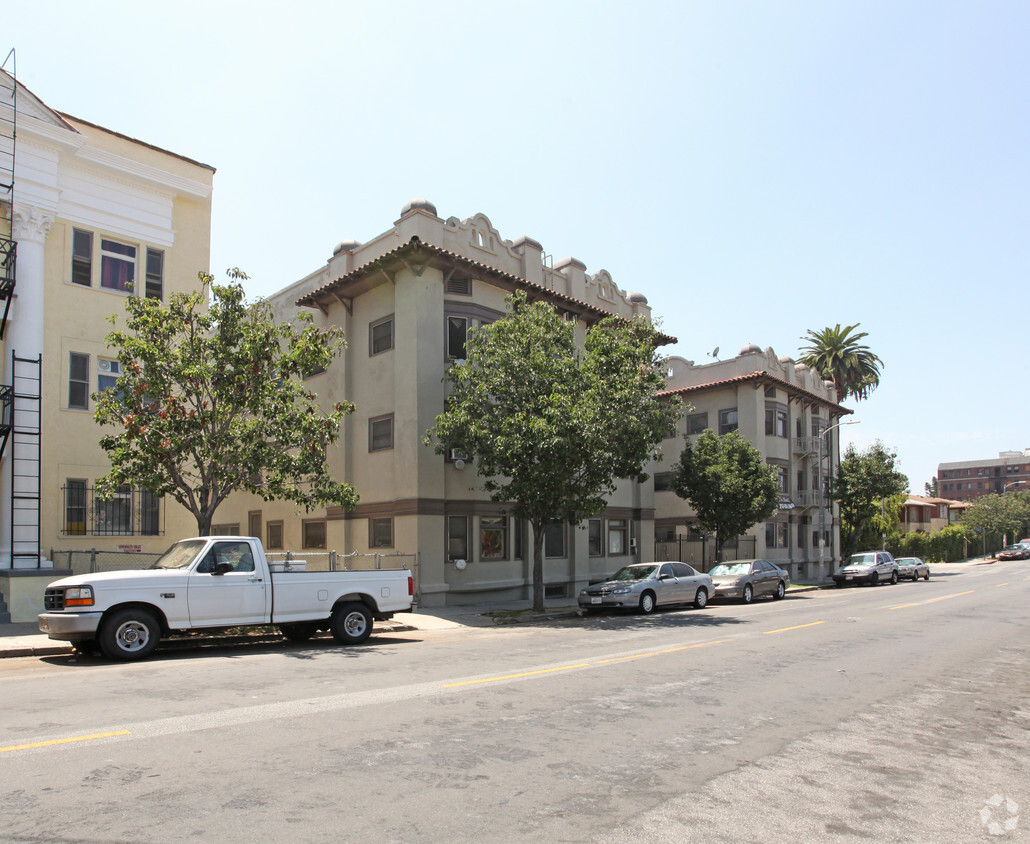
996, 585
902, 606
657, 653
582, 664
785, 629
62, 741
945, 597
514, 676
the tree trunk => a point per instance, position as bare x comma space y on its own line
538, 567
203, 524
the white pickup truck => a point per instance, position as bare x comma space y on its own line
217, 581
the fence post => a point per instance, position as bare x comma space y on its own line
92, 560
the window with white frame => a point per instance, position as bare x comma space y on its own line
117, 265
108, 372
618, 532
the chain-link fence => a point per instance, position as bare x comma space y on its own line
91, 561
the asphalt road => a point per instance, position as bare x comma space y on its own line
895, 713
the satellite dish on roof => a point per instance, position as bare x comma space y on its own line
714, 353
459, 464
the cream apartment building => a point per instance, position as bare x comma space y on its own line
406, 300
791, 416
88, 217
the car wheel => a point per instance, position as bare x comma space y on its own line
351, 624
701, 598
647, 603
874, 579
839, 584
129, 634
781, 590
894, 577
927, 575
748, 594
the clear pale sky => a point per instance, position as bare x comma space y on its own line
756, 169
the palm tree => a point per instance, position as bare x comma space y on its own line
837, 355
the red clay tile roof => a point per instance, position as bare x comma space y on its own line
415, 245
762, 376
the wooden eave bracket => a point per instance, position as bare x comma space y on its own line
347, 303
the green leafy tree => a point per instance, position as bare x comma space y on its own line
865, 483
212, 400
838, 355
728, 484
552, 427
950, 543
997, 516
932, 489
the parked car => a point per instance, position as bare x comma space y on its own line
1014, 552
870, 567
217, 582
645, 586
912, 567
749, 579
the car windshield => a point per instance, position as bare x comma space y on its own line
731, 568
1015, 548
639, 572
862, 560
905, 560
180, 555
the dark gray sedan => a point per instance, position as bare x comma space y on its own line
645, 586
749, 579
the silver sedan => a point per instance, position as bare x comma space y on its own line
645, 586
749, 579
912, 567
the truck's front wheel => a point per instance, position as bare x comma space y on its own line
351, 624
129, 634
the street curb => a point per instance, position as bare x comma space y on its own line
178, 643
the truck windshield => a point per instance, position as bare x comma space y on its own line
179, 555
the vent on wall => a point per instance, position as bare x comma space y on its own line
556, 590
459, 286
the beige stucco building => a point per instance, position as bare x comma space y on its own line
405, 300
791, 416
93, 217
